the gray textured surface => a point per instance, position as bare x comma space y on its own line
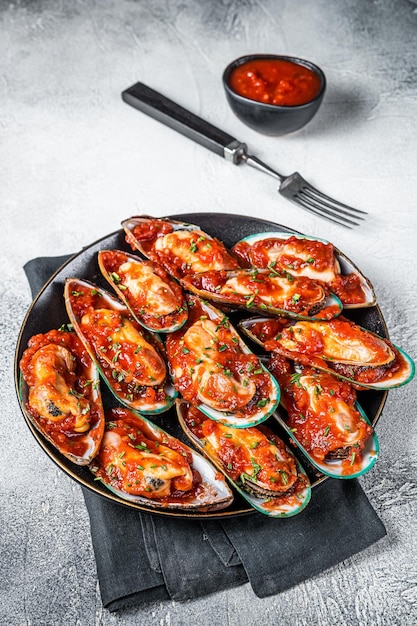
74, 161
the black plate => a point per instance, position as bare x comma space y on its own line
48, 311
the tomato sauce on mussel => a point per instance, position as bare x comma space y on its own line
322, 414
154, 299
255, 460
180, 248
276, 292
62, 397
212, 367
311, 258
130, 358
338, 346
142, 463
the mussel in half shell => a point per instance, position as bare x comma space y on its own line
317, 259
268, 291
214, 369
60, 394
337, 346
143, 464
255, 461
180, 248
155, 300
129, 358
323, 418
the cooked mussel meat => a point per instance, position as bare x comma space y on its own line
61, 395
129, 358
155, 300
338, 346
180, 248
213, 368
324, 418
255, 460
271, 291
142, 463
313, 258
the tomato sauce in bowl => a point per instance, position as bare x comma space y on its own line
274, 94
275, 81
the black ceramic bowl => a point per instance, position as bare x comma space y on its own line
273, 119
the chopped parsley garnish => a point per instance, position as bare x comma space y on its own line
256, 467
296, 380
66, 328
250, 300
115, 278
284, 476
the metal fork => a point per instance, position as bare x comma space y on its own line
295, 188
292, 187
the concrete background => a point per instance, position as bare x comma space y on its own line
75, 161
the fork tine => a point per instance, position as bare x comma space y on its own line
326, 215
326, 208
295, 188
332, 203
323, 212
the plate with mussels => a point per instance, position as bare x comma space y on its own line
207, 365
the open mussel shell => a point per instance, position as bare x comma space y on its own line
141, 463
130, 359
62, 392
155, 300
322, 416
338, 468
337, 266
180, 248
389, 379
213, 368
265, 292
263, 501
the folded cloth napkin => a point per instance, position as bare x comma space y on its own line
145, 557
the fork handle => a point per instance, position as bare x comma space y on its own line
175, 116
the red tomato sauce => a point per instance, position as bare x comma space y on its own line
119, 468
268, 329
310, 346
372, 374
61, 432
223, 353
139, 301
349, 289
314, 424
198, 252
320, 256
258, 288
148, 231
261, 253
275, 81
122, 363
234, 458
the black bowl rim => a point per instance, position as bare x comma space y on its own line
284, 57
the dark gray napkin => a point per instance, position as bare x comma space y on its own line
144, 557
